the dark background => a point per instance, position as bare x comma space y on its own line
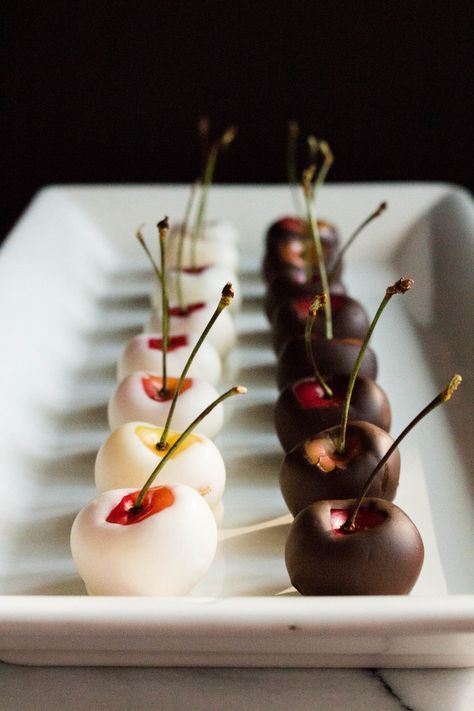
93, 93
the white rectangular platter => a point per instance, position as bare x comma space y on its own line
73, 289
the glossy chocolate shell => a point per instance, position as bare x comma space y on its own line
385, 559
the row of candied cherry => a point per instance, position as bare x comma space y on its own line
341, 469
153, 528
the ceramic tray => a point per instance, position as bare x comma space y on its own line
73, 288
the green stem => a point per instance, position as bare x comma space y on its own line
237, 390
324, 170
318, 301
381, 208
163, 228
447, 393
226, 298
308, 193
400, 287
226, 138
141, 239
182, 234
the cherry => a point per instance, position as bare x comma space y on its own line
349, 319
334, 357
315, 470
304, 408
292, 283
382, 555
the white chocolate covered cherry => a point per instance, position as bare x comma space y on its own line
194, 319
202, 283
162, 550
139, 397
129, 454
145, 352
217, 244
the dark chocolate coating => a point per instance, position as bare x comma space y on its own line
288, 241
294, 423
303, 481
383, 560
333, 357
349, 320
291, 283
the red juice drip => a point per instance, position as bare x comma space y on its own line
174, 342
310, 394
156, 499
153, 387
366, 518
178, 312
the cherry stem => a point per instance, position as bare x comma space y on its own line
163, 229
318, 302
328, 160
400, 287
381, 208
141, 239
226, 297
313, 148
308, 193
237, 390
291, 164
208, 174
445, 395
181, 237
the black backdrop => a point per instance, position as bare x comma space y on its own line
100, 93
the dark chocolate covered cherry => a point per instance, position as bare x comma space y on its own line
382, 555
304, 408
315, 470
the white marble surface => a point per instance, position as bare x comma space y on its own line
127, 689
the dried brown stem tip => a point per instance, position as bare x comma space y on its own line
381, 208
453, 385
318, 301
313, 146
400, 287
228, 290
228, 135
164, 224
227, 295
327, 152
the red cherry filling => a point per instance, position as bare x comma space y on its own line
302, 304
178, 312
174, 342
195, 270
153, 387
292, 224
156, 499
310, 394
366, 518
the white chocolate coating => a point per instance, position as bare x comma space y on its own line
139, 354
166, 554
205, 285
216, 230
129, 402
224, 254
125, 460
222, 334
